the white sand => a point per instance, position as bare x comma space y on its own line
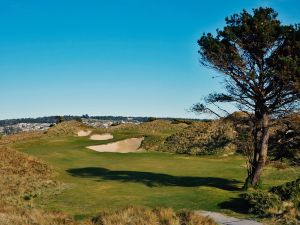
83, 133
125, 146
101, 137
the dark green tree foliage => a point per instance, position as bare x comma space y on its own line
288, 191
285, 141
60, 119
260, 60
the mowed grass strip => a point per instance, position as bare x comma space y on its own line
98, 181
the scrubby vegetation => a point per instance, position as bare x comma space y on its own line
263, 203
216, 137
288, 192
280, 202
185, 137
144, 216
203, 138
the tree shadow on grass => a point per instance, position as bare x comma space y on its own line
238, 205
154, 179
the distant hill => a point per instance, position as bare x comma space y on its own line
54, 119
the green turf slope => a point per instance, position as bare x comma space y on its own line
96, 181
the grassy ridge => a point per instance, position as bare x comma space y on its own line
155, 132
22, 179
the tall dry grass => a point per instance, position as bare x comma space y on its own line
14, 215
143, 216
22, 179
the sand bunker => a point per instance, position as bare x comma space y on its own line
83, 133
101, 137
125, 146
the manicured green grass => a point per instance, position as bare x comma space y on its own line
97, 181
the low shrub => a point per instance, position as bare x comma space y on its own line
289, 191
280, 202
143, 216
263, 203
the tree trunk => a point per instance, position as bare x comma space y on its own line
261, 156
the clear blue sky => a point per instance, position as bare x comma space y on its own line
119, 57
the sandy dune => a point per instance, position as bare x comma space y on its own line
101, 137
83, 133
125, 146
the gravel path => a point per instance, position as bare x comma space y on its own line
226, 220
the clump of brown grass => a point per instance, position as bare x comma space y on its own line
166, 216
191, 218
128, 215
143, 216
11, 215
